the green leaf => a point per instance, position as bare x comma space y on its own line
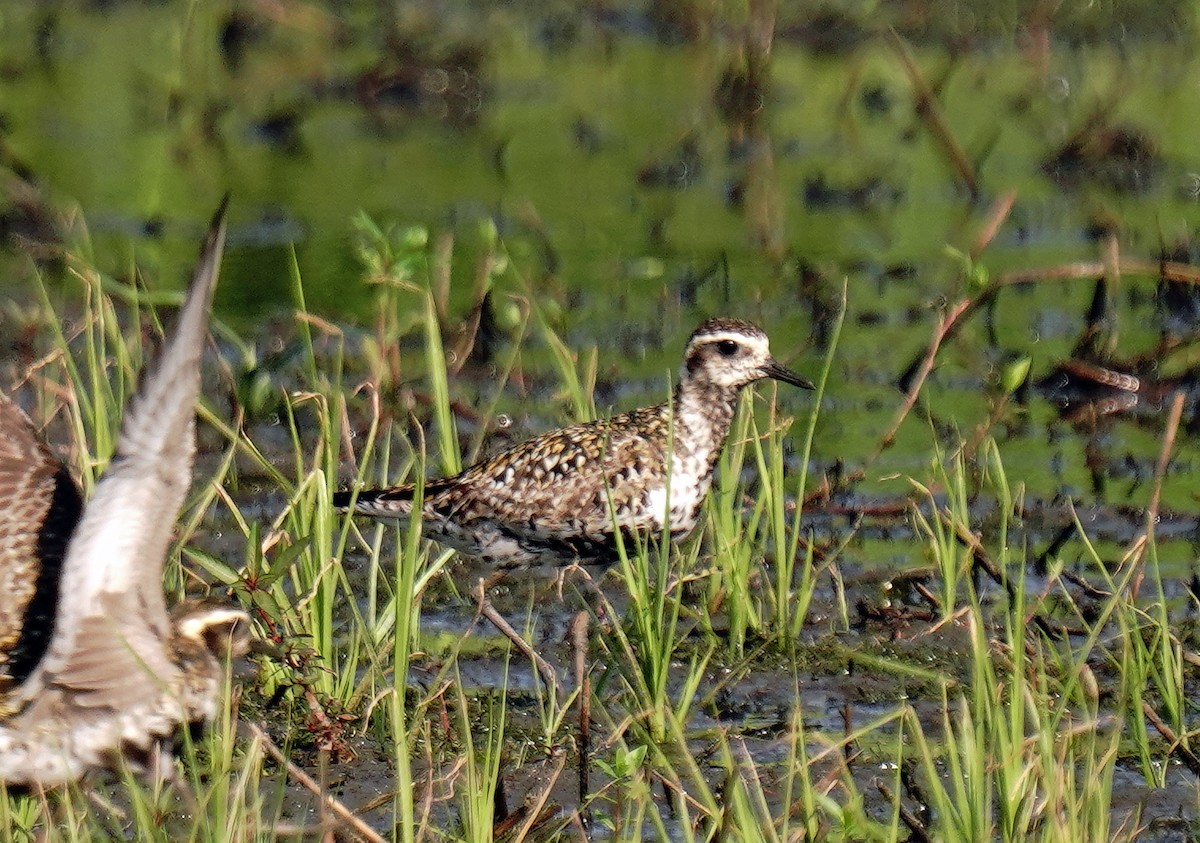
1015, 373
630, 762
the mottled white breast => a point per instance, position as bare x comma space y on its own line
700, 430
689, 479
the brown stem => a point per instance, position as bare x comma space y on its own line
996, 217
1160, 471
945, 326
928, 110
1185, 755
579, 635
343, 813
906, 816
487, 610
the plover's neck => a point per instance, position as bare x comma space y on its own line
702, 414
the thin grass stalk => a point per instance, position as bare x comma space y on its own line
246, 447
772, 505
977, 730
1133, 660
94, 405
893, 832
647, 585
788, 617
143, 804
1167, 656
443, 414
646, 662
481, 765
751, 814
842, 817
728, 586
407, 613
306, 336
769, 460
949, 802
1018, 711
368, 456
18, 816
312, 584
798, 783
579, 391
1007, 710
504, 374
632, 799
66, 359
96, 384
954, 563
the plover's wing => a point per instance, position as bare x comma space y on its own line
565, 481
39, 507
108, 641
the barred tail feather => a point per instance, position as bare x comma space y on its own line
396, 501
379, 503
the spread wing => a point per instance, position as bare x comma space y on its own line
39, 508
113, 618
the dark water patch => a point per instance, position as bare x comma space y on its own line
1121, 158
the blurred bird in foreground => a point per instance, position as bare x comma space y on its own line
93, 668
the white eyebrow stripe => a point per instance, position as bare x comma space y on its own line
194, 627
736, 336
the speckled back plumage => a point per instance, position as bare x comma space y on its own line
118, 674
559, 497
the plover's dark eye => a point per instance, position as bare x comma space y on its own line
727, 347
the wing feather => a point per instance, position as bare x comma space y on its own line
115, 617
560, 479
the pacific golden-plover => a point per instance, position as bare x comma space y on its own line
558, 497
93, 668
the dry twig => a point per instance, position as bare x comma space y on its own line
344, 814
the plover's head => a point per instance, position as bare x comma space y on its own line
222, 629
731, 353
